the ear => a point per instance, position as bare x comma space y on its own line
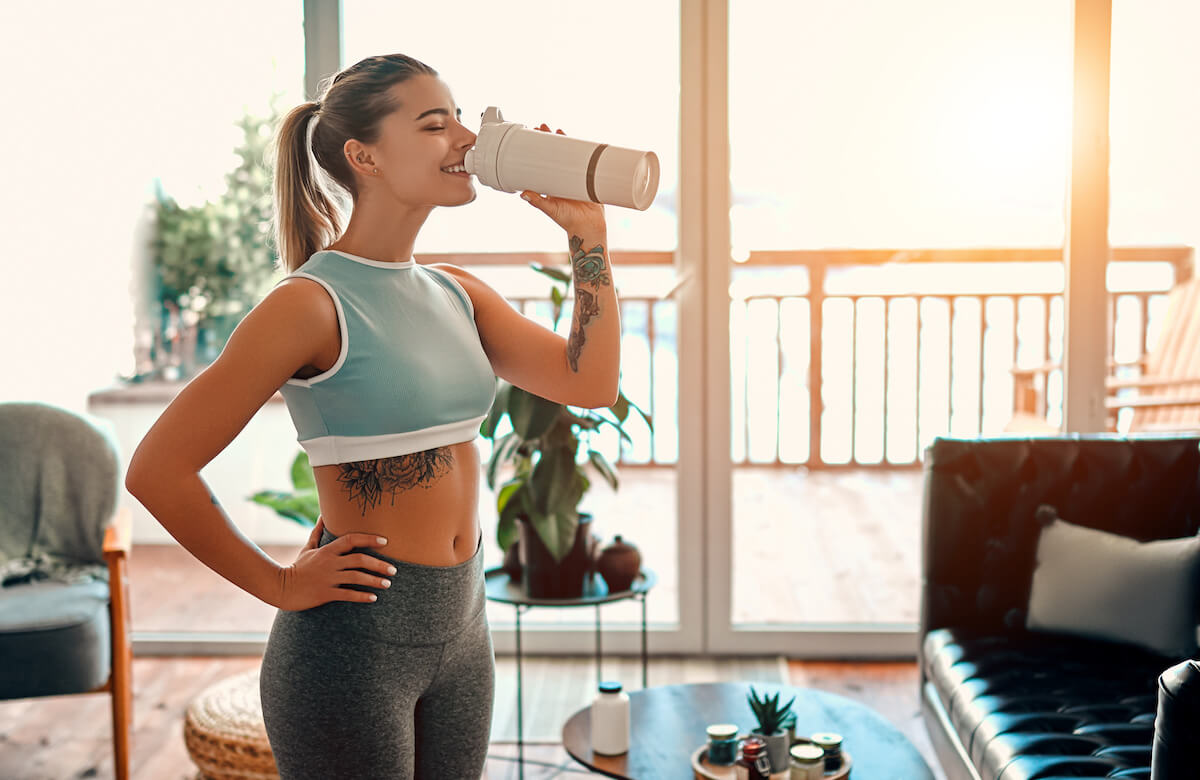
359, 157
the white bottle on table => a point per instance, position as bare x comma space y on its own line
610, 720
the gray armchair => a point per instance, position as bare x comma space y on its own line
64, 548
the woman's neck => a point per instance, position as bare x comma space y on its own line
384, 234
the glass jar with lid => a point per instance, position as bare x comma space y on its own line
808, 762
722, 744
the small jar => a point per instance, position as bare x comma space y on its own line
832, 745
754, 764
808, 762
610, 720
722, 744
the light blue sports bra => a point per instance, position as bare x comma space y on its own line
412, 374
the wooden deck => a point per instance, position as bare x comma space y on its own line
830, 546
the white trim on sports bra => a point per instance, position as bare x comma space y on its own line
409, 263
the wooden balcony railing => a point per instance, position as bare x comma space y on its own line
893, 366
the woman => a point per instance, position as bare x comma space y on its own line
380, 662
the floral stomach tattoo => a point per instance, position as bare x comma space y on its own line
366, 481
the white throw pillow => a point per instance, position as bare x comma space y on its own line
1106, 586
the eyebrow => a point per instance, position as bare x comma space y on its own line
442, 111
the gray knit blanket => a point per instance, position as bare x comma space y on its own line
59, 481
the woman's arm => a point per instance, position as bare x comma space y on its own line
581, 370
279, 336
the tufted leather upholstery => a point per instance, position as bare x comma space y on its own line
1016, 705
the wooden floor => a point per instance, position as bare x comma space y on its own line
831, 547
61, 738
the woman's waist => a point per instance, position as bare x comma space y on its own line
425, 604
425, 504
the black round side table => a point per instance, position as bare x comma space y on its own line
501, 588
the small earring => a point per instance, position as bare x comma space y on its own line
376, 171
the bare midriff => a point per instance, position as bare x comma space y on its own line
424, 504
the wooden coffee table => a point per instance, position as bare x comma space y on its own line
667, 724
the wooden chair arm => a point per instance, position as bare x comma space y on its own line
118, 535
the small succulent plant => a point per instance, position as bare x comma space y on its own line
772, 719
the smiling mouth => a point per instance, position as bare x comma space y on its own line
456, 169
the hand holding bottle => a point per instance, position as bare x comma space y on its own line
573, 216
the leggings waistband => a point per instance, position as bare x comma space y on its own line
424, 605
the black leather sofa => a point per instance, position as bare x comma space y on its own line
1002, 702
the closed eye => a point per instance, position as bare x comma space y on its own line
435, 128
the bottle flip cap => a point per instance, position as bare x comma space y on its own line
610, 686
509, 157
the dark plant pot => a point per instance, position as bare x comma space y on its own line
541, 576
512, 561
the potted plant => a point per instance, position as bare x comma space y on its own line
549, 450
773, 723
211, 263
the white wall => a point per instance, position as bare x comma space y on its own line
72, 198
99, 100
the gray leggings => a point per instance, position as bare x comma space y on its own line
394, 689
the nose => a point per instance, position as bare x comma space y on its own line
468, 139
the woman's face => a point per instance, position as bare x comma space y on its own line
419, 141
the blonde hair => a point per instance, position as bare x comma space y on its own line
351, 104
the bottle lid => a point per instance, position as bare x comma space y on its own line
752, 747
610, 686
827, 741
722, 731
806, 753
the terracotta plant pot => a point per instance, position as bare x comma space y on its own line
542, 577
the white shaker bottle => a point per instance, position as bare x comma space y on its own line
610, 720
510, 157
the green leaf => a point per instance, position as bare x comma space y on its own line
553, 273
555, 490
621, 408
302, 473
557, 531
604, 467
531, 415
499, 407
514, 506
645, 416
303, 506
501, 453
507, 491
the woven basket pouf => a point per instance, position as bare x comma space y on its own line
224, 733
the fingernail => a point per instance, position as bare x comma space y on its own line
527, 198
387, 583
381, 540
373, 597
391, 570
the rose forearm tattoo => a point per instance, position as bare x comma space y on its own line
366, 481
590, 268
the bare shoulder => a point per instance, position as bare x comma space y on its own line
295, 319
480, 291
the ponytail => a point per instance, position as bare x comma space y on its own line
305, 218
